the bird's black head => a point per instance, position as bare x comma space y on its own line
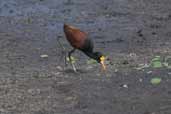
100, 59
97, 56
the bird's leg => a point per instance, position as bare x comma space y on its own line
70, 60
65, 60
63, 52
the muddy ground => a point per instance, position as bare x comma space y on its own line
130, 32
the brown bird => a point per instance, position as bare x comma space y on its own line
79, 40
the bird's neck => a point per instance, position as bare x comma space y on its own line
91, 55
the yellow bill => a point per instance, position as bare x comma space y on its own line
102, 62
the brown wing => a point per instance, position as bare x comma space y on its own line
75, 36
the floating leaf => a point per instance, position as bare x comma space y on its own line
44, 56
167, 65
91, 61
73, 59
156, 58
155, 81
167, 62
156, 62
149, 72
142, 66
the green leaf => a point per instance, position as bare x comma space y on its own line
156, 58
156, 81
167, 62
156, 62
73, 59
91, 61
142, 66
167, 65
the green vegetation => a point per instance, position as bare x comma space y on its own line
156, 81
156, 62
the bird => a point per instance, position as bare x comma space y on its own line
79, 40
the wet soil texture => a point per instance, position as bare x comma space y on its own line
132, 33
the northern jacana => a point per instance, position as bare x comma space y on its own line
80, 40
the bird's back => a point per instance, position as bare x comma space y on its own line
75, 37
